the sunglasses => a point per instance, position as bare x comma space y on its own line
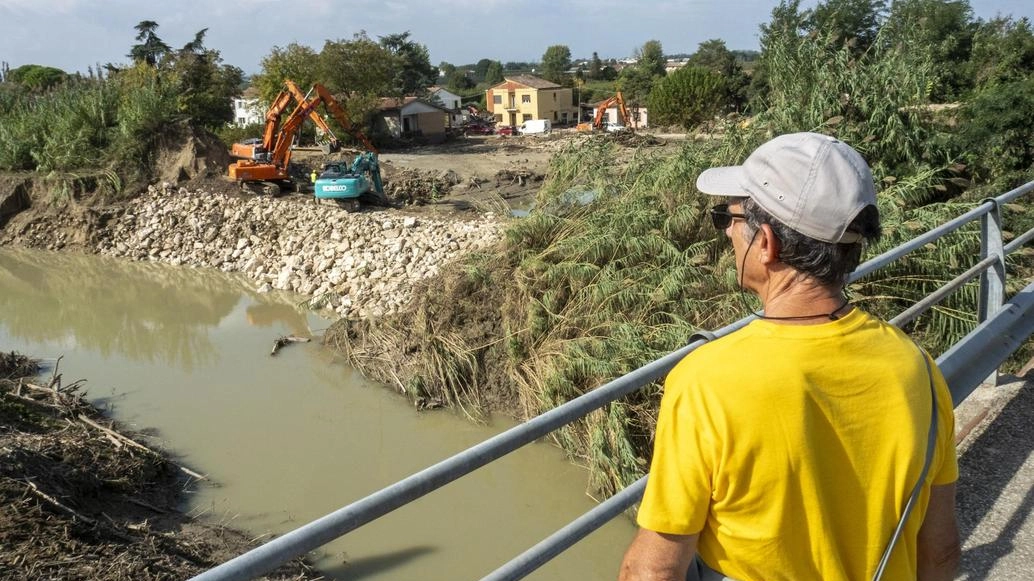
722, 218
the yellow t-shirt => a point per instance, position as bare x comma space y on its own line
791, 450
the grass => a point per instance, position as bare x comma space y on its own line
106, 129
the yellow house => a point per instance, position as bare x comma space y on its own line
522, 98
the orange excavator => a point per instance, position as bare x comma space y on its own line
262, 165
601, 112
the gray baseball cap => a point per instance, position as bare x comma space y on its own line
813, 183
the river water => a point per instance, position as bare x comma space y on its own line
184, 354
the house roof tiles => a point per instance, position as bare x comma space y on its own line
528, 81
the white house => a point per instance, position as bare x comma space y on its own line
451, 101
611, 117
246, 110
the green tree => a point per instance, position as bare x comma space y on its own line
294, 62
998, 131
358, 67
458, 80
35, 77
786, 31
650, 58
938, 31
150, 49
481, 69
713, 55
494, 73
854, 23
1003, 51
635, 85
414, 73
518, 66
555, 63
635, 82
358, 72
445, 69
205, 87
595, 67
687, 97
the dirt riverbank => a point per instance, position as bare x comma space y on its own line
81, 498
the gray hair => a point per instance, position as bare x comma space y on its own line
827, 262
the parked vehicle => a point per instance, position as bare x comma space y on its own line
535, 126
478, 129
506, 130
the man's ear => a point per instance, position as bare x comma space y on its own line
769, 247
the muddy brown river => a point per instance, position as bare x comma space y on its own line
183, 354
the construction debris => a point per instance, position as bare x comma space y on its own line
415, 187
518, 175
632, 139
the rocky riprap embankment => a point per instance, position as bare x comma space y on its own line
357, 264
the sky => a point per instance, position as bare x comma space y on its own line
73, 35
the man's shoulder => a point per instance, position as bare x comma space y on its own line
718, 355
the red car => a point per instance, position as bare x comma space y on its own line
478, 129
506, 130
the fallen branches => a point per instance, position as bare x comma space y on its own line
55, 502
284, 340
119, 439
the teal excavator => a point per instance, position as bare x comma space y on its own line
347, 185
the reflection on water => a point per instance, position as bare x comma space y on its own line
111, 307
292, 437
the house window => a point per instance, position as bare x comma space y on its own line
497, 99
499, 118
526, 117
554, 96
525, 98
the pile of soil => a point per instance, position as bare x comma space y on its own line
633, 139
81, 499
417, 187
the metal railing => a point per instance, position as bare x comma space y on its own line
1001, 330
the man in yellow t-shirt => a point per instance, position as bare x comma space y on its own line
787, 450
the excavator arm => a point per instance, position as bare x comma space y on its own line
314, 115
256, 151
626, 119
281, 154
601, 111
341, 115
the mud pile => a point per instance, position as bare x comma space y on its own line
413, 186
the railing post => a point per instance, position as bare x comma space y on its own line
992, 280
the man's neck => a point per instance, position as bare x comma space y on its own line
803, 302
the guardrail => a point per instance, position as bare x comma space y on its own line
1002, 328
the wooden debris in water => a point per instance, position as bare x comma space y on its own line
284, 340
